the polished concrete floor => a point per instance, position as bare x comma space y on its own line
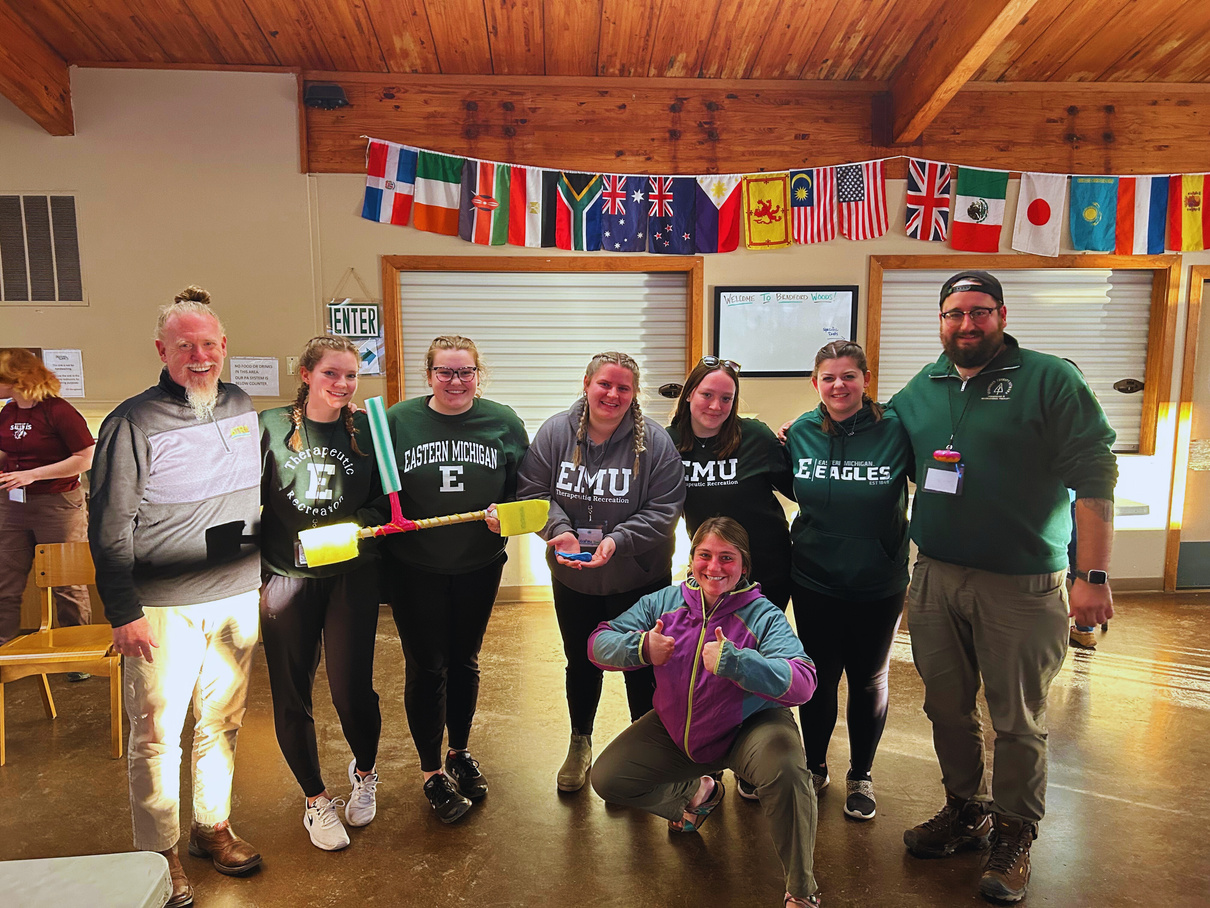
1130, 754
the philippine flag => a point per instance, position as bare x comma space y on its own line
390, 182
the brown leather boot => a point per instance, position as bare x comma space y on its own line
231, 854
182, 892
1006, 877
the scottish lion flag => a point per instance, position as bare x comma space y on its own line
1094, 207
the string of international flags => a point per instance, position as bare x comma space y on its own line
492, 203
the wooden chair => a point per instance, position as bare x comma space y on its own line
51, 650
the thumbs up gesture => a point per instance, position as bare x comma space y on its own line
713, 650
659, 647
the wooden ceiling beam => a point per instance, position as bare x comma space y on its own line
33, 76
950, 51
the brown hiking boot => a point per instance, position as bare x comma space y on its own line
1006, 876
960, 824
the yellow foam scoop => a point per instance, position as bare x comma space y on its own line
337, 542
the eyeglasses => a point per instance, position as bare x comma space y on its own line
465, 374
978, 314
715, 361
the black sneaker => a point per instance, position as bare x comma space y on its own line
448, 804
464, 770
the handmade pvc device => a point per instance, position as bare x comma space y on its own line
338, 542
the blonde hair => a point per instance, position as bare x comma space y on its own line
192, 299
612, 357
456, 342
27, 374
313, 352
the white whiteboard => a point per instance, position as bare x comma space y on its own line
777, 330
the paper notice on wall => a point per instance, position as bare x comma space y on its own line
257, 375
1199, 454
371, 351
68, 366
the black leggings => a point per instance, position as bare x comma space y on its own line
441, 619
295, 614
841, 635
579, 614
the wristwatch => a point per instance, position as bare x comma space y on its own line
1095, 577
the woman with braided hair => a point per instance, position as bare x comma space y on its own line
616, 489
316, 471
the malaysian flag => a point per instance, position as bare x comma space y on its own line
928, 200
861, 193
813, 204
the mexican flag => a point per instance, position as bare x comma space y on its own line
979, 209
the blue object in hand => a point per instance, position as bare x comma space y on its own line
575, 556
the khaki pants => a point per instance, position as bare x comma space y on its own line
644, 768
40, 519
204, 657
1011, 632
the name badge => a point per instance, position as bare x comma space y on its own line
17, 495
300, 557
590, 537
945, 480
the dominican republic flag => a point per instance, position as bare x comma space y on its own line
390, 182
1188, 212
928, 200
438, 193
578, 212
718, 201
671, 214
1142, 211
1039, 223
813, 204
1094, 211
531, 206
484, 217
623, 213
861, 193
979, 209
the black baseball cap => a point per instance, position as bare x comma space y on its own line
979, 281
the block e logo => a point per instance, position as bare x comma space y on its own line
321, 475
450, 474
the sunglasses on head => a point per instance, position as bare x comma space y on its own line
715, 361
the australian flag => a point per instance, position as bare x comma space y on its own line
671, 215
623, 213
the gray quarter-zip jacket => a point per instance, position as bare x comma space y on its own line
175, 503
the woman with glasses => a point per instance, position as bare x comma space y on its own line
615, 491
732, 466
850, 462
456, 452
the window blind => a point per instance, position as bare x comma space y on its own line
39, 249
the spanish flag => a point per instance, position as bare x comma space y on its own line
1188, 213
767, 210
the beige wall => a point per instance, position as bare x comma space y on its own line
193, 177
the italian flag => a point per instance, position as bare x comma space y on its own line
438, 193
979, 209
1188, 213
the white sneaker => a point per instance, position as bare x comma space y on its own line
324, 826
362, 804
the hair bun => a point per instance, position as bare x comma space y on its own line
193, 293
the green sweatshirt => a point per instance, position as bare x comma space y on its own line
449, 465
1028, 428
322, 484
740, 486
850, 534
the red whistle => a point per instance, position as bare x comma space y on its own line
947, 455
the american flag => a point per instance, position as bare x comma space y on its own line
813, 204
660, 196
928, 200
861, 192
614, 194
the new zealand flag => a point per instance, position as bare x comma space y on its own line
671, 215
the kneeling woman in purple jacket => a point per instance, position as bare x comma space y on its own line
728, 668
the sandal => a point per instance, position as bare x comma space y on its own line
798, 901
702, 811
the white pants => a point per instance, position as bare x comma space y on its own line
204, 655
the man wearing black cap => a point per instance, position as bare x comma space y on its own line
999, 435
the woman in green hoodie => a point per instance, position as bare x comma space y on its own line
848, 565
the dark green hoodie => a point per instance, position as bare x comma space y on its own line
850, 535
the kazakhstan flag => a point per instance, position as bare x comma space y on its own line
1094, 206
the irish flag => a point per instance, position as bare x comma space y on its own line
438, 193
979, 209
1188, 220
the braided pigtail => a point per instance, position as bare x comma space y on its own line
294, 442
640, 432
352, 430
581, 433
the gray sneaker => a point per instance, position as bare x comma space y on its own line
860, 803
363, 799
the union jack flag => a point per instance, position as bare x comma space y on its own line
928, 200
614, 194
660, 197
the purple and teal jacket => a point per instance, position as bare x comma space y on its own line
762, 666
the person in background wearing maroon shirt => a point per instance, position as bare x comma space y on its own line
44, 447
